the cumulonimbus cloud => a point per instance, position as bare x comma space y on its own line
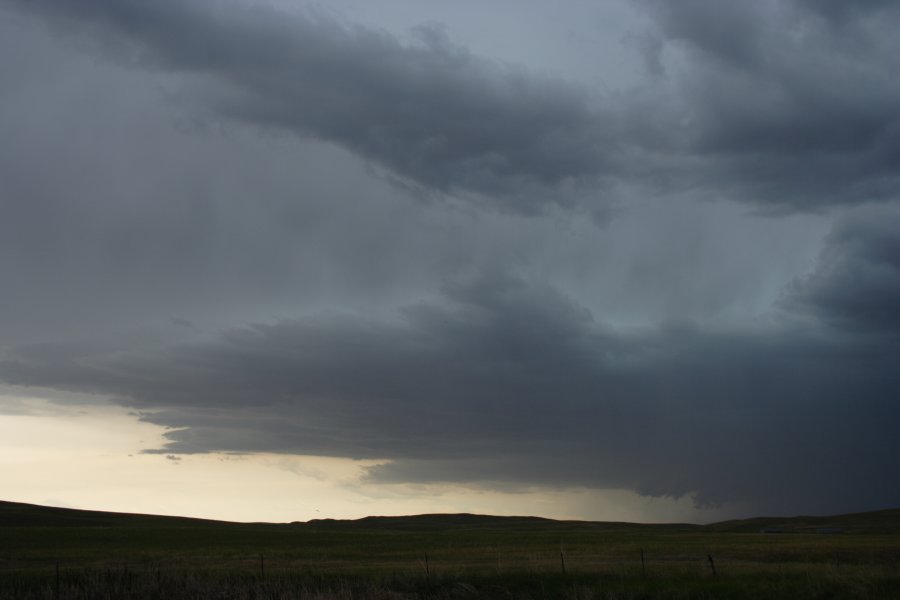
429, 112
746, 110
856, 285
511, 383
499, 379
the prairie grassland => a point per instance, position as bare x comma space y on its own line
437, 557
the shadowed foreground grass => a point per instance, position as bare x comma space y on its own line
54, 553
179, 583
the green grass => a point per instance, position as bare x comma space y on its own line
105, 555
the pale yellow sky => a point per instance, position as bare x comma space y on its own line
89, 457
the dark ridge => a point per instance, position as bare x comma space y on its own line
471, 521
878, 521
436, 519
18, 514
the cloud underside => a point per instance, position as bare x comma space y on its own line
494, 372
509, 382
785, 105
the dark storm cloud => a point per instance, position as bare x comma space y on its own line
856, 285
118, 213
778, 107
510, 383
839, 12
430, 112
117, 218
769, 103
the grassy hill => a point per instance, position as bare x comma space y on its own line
17, 514
64, 553
879, 521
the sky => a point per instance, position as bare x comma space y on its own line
272, 260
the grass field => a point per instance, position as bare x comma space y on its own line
60, 553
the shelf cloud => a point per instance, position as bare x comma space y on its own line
283, 229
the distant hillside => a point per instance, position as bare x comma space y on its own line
31, 515
430, 520
879, 521
471, 521
16, 514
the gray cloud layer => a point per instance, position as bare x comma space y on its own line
790, 104
430, 112
508, 382
857, 284
510, 363
786, 105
